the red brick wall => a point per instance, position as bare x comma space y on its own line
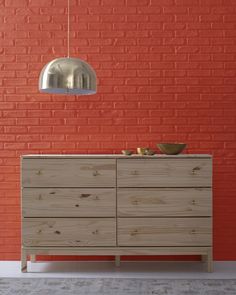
166, 71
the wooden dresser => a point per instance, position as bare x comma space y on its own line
116, 205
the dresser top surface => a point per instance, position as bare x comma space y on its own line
113, 156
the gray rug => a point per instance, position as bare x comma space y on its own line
113, 286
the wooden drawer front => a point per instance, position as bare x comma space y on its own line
164, 231
69, 172
68, 202
69, 232
158, 202
164, 172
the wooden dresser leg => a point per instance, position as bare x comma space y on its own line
117, 260
33, 258
23, 260
209, 261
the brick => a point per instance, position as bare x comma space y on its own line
39, 129
7, 105
175, 57
64, 145
63, 129
6, 59
199, 73
137, 3
14, 114
7, 74
136, 81
162, 65
7, 11
199, 57
41, 3
174, 89
26, 11
199, 10
175, 10
211, 2
14, 146
148, 73
28, 121
173, 73
149, 89
199, 26
211, 33
161, 18
15, 129
161, 81
199, 41
14, 82
227, 2
145, 10
186, 18
39, 145
19, 19
199, 89
16, 3
161, 33
7, 137
162, 3
102, 10
211, 81
188, 3
211, 18
77, 137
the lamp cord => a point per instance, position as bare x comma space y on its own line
68, 28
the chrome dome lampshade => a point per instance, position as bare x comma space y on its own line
68, 75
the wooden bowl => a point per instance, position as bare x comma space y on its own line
171, 148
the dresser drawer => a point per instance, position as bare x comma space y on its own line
69, 232
68, 172
167, 172
68, 202
160, 202
164, 231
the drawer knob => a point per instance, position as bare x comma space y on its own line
84, 195
77, 205
39, 172
134, 232
97, 198
95, 232
57, 232
95, 173
193, 202
193, 231
195, 169
135, 172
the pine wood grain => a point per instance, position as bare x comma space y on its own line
157, 202
164, 232
73, 232
69, 172
69, 202
174, 172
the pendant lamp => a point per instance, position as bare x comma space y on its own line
68, 75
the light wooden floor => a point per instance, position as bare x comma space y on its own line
177, 270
